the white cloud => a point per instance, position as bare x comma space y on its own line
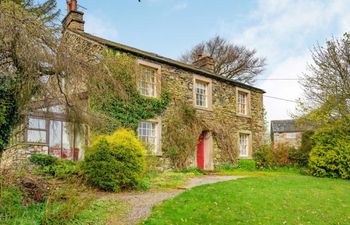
96, 25
283, 31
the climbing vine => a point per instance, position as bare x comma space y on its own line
181, 133
125, 106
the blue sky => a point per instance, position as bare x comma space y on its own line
283, 31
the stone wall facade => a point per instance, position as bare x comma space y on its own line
291, 139
13, 157
223, 113
179, 82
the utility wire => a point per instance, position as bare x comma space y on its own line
281, 79
281, 99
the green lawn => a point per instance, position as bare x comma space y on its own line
289, 199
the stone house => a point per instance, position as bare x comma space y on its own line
218, 99
287, 132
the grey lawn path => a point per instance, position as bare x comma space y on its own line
141, 203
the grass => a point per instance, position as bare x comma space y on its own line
166, 180
290, 199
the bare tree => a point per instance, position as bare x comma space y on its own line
326, 85
232, 61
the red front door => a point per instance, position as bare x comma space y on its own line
200, 152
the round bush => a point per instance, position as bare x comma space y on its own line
115, 162
330, 156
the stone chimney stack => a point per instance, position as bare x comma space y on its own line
204, 62
74, 19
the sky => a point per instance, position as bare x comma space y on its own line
282, 31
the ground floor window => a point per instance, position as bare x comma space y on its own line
148, 133
243, 144
63, 139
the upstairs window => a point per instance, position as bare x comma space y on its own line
201, 94
243, 145
243, 103
147, 81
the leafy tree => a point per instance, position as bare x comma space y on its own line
232, 61
46, 11
326, 85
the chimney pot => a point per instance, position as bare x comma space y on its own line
204, 62
74, 19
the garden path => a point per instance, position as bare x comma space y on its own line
141, 203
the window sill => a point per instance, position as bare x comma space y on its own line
245, 157
203, 108
243, 115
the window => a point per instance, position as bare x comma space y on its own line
242, 102
147, 133
201, 94
244, 144
291, 135
36, 132
60, 137
147, 81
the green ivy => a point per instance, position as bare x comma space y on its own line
119, 110
129, 113
9, 115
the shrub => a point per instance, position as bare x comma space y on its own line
43, 160
58, 168
264, 157
300, 156
330, 157
115, 162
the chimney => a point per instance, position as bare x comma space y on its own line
204, 62
74, 19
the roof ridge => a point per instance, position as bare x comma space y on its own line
163, 59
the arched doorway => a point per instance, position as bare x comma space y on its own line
204, 157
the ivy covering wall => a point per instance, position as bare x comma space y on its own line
124, 107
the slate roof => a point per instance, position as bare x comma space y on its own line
162, 59
281, 126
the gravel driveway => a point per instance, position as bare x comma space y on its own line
141, 204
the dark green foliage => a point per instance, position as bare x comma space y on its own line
129, 113
58, 168
117, 99
115, 162
43, 160
300, 156
330, 156
9, 116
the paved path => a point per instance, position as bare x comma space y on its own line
141, 204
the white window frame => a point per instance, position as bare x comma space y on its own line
248, 134
202, 94
157, 77
247, 106
208, 92
157, 132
